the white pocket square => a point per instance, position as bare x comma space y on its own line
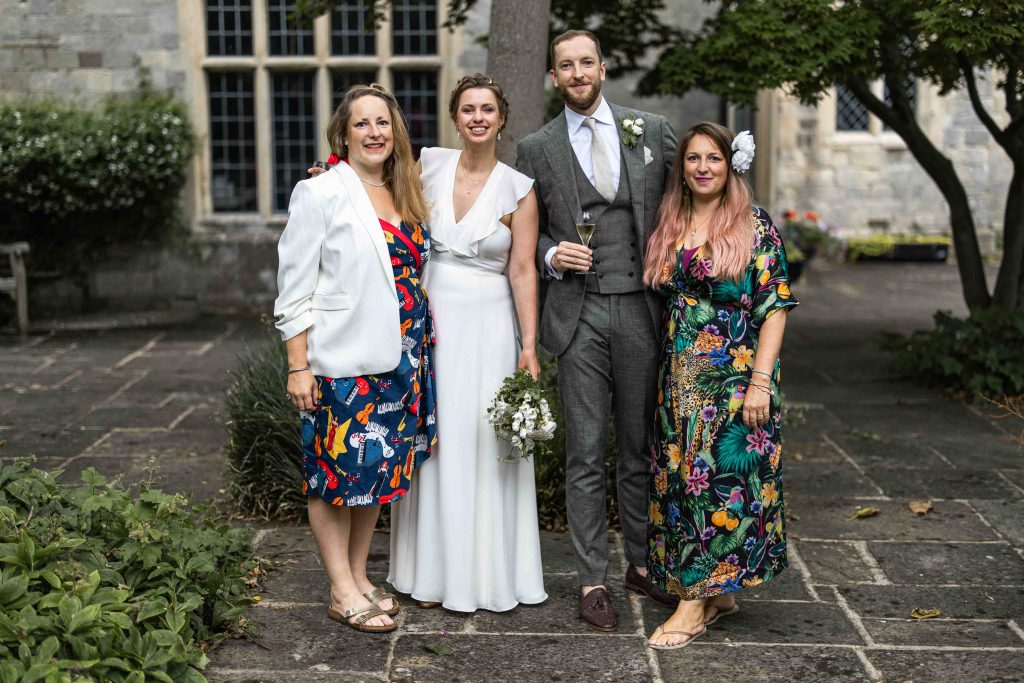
648, 158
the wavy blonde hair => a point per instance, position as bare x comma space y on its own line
400, 176
731, 229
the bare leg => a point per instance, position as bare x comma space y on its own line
364, 519
332, 528
688, 617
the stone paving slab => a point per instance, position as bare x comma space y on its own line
841, 612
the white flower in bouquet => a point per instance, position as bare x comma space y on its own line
520, 414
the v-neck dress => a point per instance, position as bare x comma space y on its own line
467, 534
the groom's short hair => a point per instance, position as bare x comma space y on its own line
569, 35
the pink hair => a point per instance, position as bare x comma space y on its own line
731, 229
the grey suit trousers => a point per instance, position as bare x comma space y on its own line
611, 361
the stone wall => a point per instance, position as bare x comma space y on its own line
869, 182
82, 50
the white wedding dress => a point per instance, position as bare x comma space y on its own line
466, 534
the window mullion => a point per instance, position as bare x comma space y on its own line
261, 88
384, 51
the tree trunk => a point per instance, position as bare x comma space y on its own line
1010, 282
942, 171
517, 60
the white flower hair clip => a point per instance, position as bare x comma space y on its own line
742, 151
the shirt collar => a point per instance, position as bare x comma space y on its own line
603, 114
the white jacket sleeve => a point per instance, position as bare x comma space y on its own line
299, 262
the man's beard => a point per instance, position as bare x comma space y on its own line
581, 103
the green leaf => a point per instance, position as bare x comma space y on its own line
12, 587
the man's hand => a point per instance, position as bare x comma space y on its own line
571, 256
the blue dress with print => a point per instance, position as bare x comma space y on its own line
368, 434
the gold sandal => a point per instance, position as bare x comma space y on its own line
690, 637
358, 616
377, 595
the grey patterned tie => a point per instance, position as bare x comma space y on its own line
602, 164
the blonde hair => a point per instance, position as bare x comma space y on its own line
731, 229
400, 176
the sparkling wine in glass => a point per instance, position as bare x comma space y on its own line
585, 229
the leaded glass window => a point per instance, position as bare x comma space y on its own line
416, 92
343, 80
232, 141
294, 131
228, 27
851, 114
414, 29
287, 37
911, 85
352, 28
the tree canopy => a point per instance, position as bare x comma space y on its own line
806, 47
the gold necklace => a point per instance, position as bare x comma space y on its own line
474, 183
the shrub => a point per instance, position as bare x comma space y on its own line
96, 584
263, 458
977, 357
878, 246
74, 181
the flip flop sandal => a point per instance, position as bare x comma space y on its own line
358, 616
377, 595
719, 613
690, 637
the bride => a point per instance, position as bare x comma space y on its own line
466, 536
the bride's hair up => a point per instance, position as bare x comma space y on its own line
478, 80
731, 229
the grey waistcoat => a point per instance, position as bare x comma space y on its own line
616, 256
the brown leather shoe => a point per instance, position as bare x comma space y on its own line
643, 584
596, 610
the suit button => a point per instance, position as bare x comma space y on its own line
631, 273
597, 260
632, 244
632, 258
600, 275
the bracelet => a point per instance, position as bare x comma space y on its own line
292, 372
762, 372
767, 390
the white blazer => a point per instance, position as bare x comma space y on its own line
335, 279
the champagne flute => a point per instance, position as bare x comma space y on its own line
585, 229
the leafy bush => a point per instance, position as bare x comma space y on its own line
74, 181
96, 584
978, 357
263, 458
807, 235
263, 446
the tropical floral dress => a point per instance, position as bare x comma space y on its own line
716, 515
368, 434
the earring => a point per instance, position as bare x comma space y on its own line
458, 135
499, 136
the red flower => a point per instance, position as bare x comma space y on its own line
333, 159
811, 215
790, 214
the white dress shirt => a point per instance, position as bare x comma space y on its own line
581, 141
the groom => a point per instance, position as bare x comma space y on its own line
604, 328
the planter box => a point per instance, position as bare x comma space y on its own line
912, 252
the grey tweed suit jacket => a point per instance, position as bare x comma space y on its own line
548, 158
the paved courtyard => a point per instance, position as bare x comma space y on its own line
123, 400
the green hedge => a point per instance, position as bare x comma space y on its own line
106, 584
264, 464
74, 181
980, 356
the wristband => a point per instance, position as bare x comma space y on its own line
292, 372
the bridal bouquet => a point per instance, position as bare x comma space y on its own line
520, 414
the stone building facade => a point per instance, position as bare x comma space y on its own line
261, 93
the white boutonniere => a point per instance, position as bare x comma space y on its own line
632, 128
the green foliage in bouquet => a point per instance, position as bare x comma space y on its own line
520, 413
976, 357
98, 584
74, 181
263, 459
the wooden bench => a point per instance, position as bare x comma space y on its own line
16, 285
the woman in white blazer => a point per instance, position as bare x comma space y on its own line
358, 334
